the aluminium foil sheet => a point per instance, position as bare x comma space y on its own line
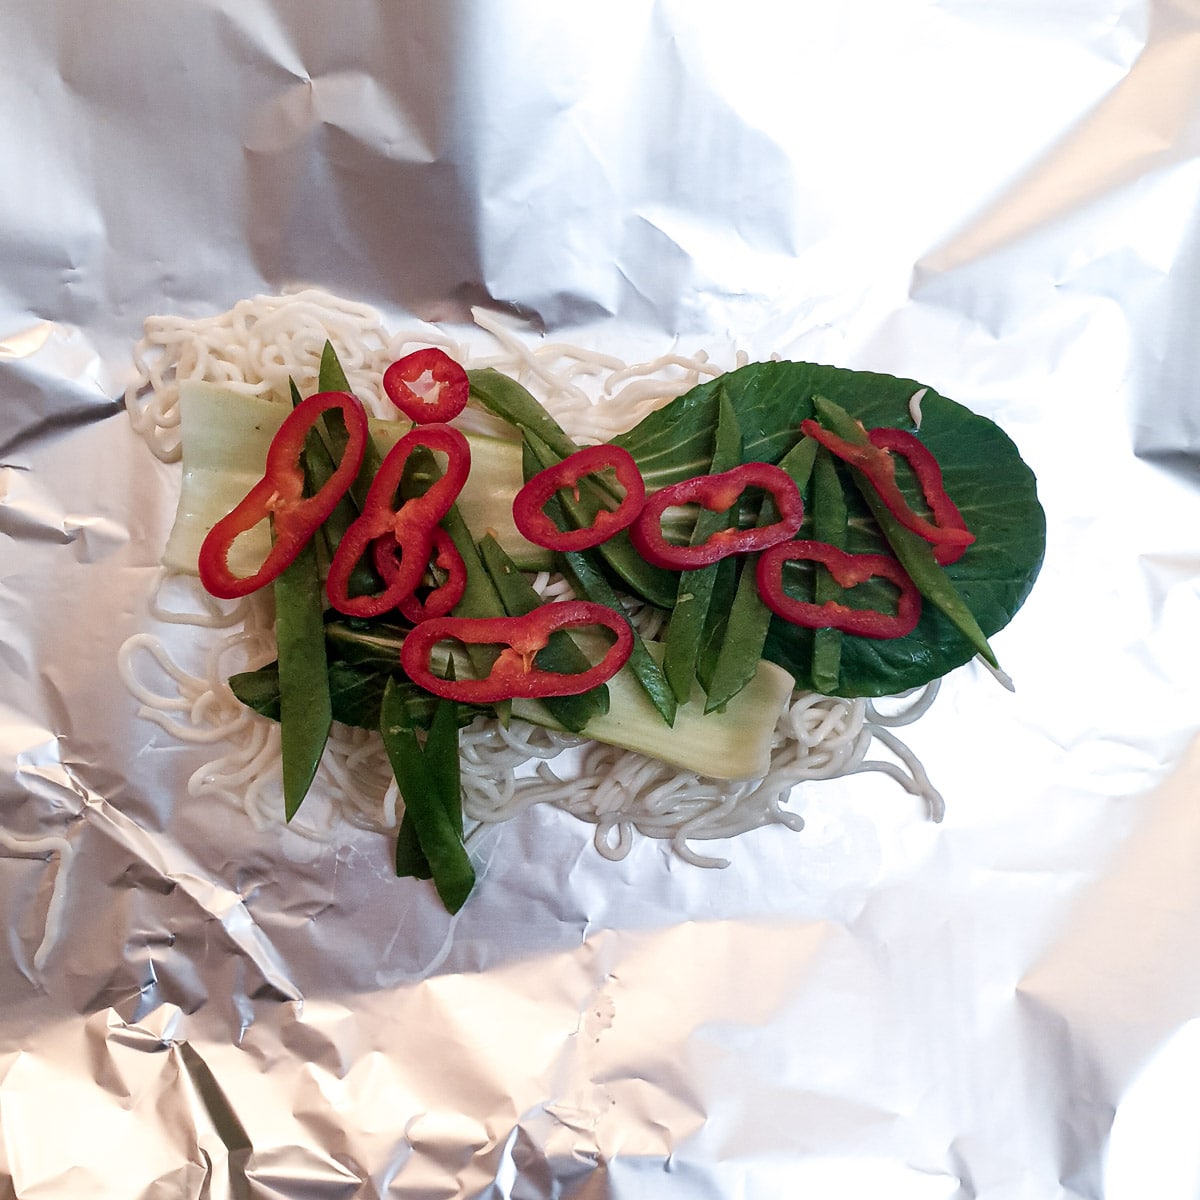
999, 198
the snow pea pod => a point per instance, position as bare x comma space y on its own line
319, 466
305, 704
716, 625
685, 631
508, 400
511, 402
305, 707
442, 759
332, 378
829, 525
480, 597
429, 782
589, 580
915, 554
749, 617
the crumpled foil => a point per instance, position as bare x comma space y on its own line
1000, 199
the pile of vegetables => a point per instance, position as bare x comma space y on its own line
784, 513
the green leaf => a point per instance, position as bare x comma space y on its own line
983, 472
258, 689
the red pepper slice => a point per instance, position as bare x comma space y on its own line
408, 529
514, 674
442, 598
848, 570
718, 493
928, 472
529, 503
280, 495
873, 458
438, 398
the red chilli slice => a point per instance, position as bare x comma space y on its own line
947, 533
428, 386
280, 496
718, 493
928, 472
528, 508
408, 530
442, 598
514, 673
849, 570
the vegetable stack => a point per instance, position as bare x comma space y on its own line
784, 512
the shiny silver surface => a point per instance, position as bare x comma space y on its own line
999, 199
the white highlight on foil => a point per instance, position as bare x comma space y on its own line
258, 345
